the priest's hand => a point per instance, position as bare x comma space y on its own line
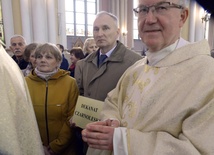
112, 122
99, 135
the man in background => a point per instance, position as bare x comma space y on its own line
64, 65
95, 75
17, 46
100, 71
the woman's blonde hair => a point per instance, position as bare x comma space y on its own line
49, 48
87, 43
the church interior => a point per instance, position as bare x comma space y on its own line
53, 21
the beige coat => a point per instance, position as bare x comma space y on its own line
167, 108
95, 82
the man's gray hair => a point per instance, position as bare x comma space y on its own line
109, 14
18, 35
184, 3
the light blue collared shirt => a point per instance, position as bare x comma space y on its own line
108, 54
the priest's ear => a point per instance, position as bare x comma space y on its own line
183, 16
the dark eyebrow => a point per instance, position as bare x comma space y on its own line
106, 26
95, 27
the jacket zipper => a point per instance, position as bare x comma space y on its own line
46, 111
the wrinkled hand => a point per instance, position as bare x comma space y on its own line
99, 135
113, 123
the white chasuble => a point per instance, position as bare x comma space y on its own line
19, 134
167, 108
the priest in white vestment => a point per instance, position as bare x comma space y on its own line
164, 103
19, 133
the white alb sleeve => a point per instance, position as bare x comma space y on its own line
120, 141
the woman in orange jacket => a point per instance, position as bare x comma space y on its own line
54, 94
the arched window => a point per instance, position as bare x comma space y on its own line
79, 16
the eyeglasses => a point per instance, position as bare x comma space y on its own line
159, 8
14, 44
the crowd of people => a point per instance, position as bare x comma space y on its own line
160, 103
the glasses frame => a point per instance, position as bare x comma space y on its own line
171, 5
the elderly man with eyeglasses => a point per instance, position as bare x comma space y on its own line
17, 46
164, 103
